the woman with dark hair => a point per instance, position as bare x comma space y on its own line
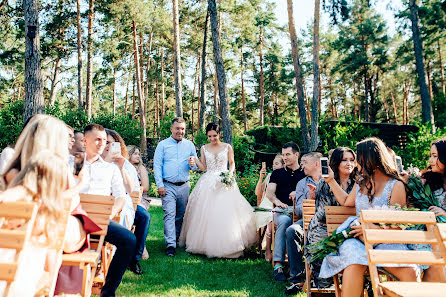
379, 185
219, 221
343, 164
435, 177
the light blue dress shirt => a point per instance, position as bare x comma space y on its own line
302, 193
170, 161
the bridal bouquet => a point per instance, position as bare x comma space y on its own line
227, 179
423, 196
332, 243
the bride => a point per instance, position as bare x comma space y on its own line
219, 221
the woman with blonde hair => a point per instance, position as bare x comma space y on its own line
42, 180
43, 132
135, 159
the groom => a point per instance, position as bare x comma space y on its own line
174, 157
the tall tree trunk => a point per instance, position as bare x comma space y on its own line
196, 80
126, 96
242, 62
426, 107
262, 80
406, 92
54, 81
133, 97
89, 58
177, 60
142, 114
429, 78
221, 76
395, 111
146, 85
332, 100
440, 61
299, 79
34, 102
373, 83
79, 55
203, 74
114, 92
162, 84
157, 108
316, 79
215, 97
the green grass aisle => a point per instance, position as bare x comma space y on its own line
187, 275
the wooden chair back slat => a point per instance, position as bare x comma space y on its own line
12, 239
8, 271
97, 199
399, 236
19, 209
394, 217
406, 257
308, 210
336, 215
136, 198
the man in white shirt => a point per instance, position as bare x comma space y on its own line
103, 178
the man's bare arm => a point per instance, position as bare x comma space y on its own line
271, 195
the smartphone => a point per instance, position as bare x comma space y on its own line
263, 165
115, 147
324, 166
399, 164
79, 158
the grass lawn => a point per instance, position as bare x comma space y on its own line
188, 275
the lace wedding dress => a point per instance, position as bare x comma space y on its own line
219, 221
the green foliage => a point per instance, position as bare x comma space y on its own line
342, 135
165, 124
270, 139
11, 123
417, 150
247, 182
243, 156
128, 129
76, 118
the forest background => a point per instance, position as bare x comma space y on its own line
132, 65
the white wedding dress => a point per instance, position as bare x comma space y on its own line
219, 221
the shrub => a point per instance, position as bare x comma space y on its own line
243, 156
247, 182
126, 127
343, 135
11, 123
417, 150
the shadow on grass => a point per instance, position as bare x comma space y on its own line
194, 275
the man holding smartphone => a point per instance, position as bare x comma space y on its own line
281, 192
173, 159
103, 178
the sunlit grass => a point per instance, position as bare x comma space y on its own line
191, 275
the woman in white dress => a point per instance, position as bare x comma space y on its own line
219, 221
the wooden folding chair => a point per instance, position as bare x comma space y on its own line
308, 211
374, 236
335, 216
99, 209
15, 239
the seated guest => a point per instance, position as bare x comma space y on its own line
103, 178
311, 165
265, 218
135, 160
281, 191
78, 143
379, 185
343, 164
40, 133
142, 216
42, 180
5, 157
